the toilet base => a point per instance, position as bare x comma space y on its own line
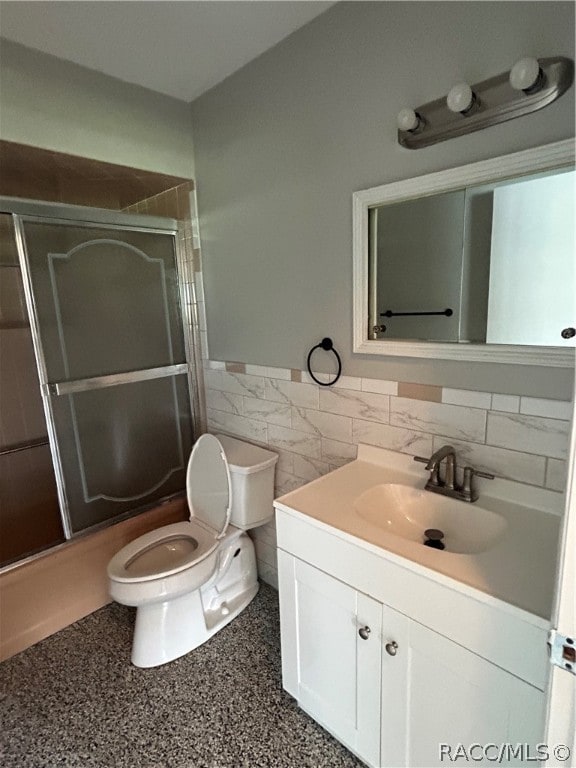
165, 631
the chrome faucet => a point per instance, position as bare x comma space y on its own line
448, 486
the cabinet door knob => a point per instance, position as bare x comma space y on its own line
392, 648
364, 632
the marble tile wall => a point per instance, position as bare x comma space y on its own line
315, 429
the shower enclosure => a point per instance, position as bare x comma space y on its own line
108, 303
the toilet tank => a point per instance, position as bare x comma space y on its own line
252, 478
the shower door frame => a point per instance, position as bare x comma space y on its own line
55, 213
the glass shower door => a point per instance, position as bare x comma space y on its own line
105, 301
30, 517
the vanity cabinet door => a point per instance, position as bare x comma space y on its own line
435, 692
331, 654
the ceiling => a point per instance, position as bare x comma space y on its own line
177, 48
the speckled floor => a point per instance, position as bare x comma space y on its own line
75, 700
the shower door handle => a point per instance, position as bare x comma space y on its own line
114, 379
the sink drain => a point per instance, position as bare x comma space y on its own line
434, 538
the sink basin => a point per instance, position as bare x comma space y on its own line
407, 512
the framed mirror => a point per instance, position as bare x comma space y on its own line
475, 263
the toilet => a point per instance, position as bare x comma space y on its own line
188, 580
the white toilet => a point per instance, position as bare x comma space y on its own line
188, 580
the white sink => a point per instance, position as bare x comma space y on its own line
492, 545
407, 512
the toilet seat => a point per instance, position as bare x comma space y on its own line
180, 546
119, 568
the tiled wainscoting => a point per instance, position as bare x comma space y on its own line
316, 429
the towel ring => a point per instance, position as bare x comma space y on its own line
327, 345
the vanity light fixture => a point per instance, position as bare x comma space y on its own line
530, 85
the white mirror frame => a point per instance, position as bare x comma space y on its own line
529, 161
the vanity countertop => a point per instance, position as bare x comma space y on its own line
518, 569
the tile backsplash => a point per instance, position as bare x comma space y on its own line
316, 429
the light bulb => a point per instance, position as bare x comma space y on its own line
407, 120
525, 74
460, 98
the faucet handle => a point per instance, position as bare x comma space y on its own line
468, 492
421, 459
470, 471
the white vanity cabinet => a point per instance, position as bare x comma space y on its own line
436, 692
387, 686
329, 666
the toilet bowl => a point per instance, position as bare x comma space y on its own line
188, 580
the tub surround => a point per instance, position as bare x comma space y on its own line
316, 429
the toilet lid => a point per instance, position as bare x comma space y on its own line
208, 486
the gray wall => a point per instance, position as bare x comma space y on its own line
281, 145
57, 105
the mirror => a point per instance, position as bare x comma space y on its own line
474, 263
